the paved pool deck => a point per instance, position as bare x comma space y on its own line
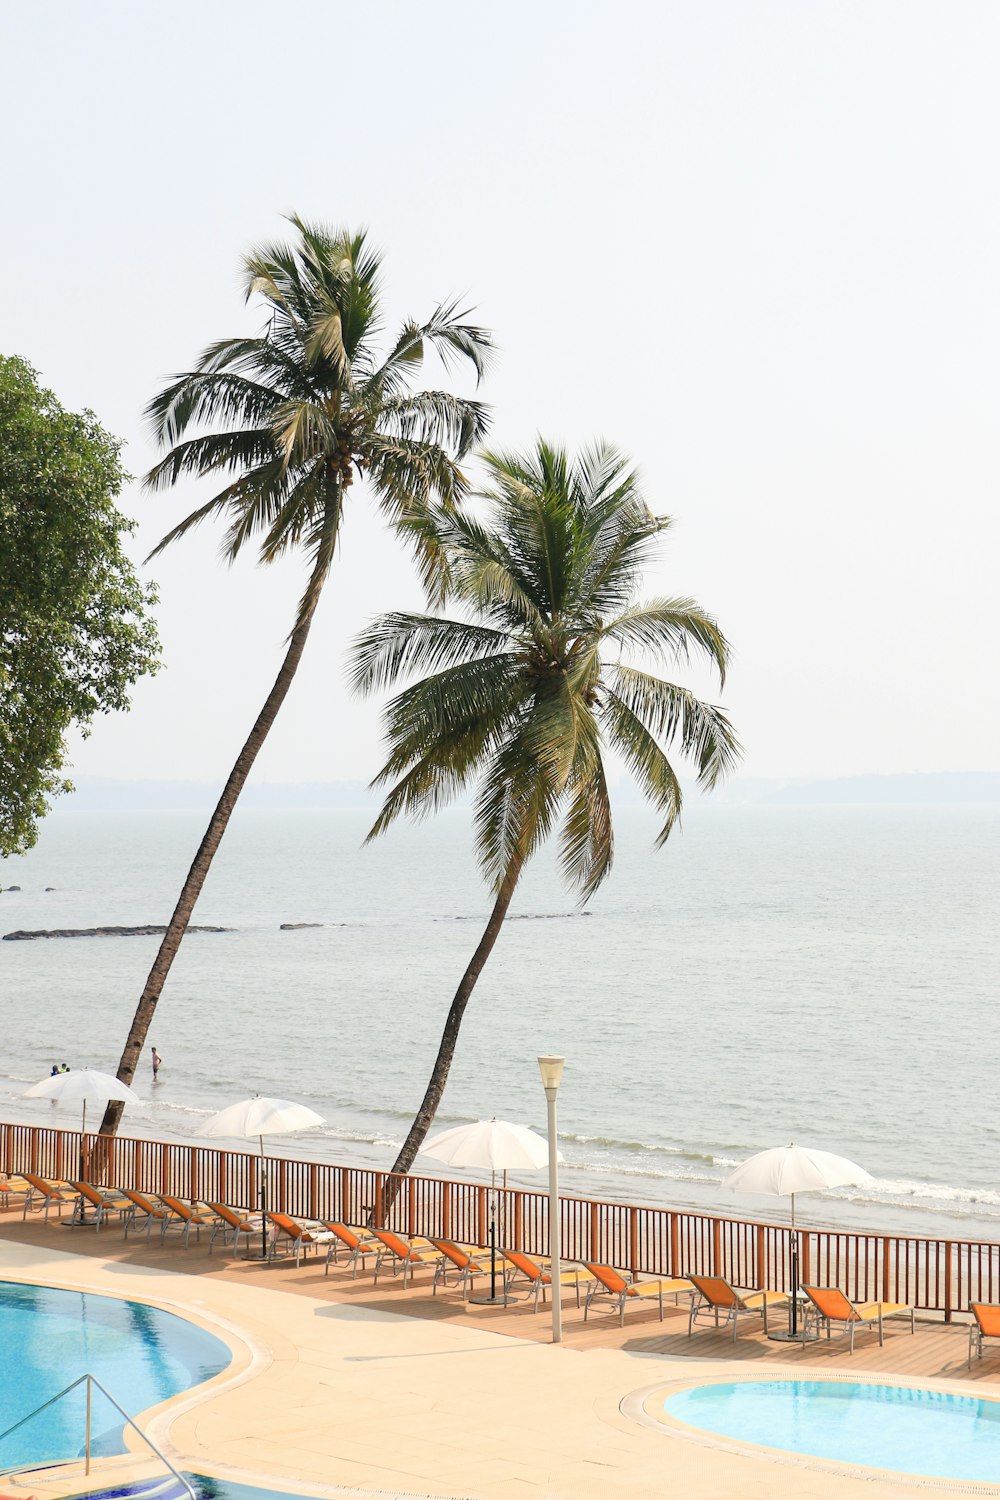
328, 1392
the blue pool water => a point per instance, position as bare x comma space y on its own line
204, 1486
929, 1433
48, 1337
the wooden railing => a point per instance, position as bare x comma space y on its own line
943, 1276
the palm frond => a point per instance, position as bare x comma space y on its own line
675, 714
206, 397
645, 759
211, 452
435, 417
587, 840
397, 644
256, 493
455, 340
670, 627
516, 807
410, 475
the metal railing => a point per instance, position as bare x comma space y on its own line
939, 1275
91, 1382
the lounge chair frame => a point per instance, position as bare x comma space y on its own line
978, 1332
230, 1221
183, 1217
537, 1272
304, 1235
360, 1243
104, 1202
462, 1266
49, 1192
731, 1303
412, 1255
867, 1315
623, 1292
146, 1205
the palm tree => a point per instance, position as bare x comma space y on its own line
289, 419
527, 690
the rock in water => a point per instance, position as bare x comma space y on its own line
294, 926
70, 932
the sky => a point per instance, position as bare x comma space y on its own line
753, 243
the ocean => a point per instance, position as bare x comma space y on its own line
826, 975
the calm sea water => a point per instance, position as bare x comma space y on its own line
822, 975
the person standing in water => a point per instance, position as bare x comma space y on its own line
157, 1059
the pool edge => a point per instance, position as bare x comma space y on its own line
638, 1405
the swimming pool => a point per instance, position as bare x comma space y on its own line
50, 1336
912, 1431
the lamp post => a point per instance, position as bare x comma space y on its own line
551, 1069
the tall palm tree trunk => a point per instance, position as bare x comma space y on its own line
191, 889
449, 1037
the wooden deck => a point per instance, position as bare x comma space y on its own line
936, 1351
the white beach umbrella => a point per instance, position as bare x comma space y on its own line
784, 1171
260, 1117
82, 1086
490, 1146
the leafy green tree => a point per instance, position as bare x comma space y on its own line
529, 688
294, 416
75, 627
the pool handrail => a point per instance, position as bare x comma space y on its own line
92, 1380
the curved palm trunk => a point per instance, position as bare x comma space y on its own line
449, 1037
191, 889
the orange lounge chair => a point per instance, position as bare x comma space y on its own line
49, 1192
716, 1296
103, 1201
401, 1255
359, 1242
985, 1326
303, 1236
830, 1305
144, 1212
608, 1282
461, 1265
539, 1274
183, 1217
231, 1221
8, 1185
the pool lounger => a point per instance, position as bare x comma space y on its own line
360, 1243
103, 1202
607, 1282
538, 1273
830, 1305
49, 1192
986, 1325
715, 1296
304, 1236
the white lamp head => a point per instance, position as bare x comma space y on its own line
551, 1069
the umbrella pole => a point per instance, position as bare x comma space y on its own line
504, 1296
793, 1334
493, 1236
793, 1320
263, 1203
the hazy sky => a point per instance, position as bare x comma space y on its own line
755, 244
